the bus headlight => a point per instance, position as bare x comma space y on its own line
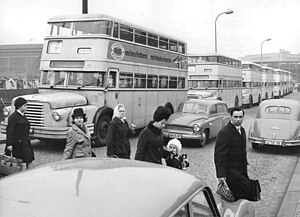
196, 128
56, 116
6, 111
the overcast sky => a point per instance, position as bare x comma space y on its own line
238, 34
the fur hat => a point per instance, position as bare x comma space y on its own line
161, 113
175, 142
20, 101
78, 112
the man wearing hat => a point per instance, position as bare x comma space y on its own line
150, 142
17, 137
78, 137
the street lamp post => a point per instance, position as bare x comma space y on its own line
226, 12
268, 39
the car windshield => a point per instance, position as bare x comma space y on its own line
193, 108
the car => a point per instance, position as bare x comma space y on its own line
277, 123
200, 94
111, 187
197, 120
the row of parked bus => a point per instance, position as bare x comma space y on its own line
238, 83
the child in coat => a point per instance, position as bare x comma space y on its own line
175, 159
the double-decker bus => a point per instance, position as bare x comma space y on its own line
267, 83
217, 73
252, 83
278, 83
96, 61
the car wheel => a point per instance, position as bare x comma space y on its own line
254, 145
204, 139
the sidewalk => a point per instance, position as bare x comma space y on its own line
291, 202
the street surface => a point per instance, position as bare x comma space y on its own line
273, 166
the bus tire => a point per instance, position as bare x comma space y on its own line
236, 102
219, 98
250, 101
266, 97
204, 139
101, 128
170, 107
259, 100
272, 95
255, 146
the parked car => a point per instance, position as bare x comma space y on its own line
111, 187
197, 120
200, 94
277, 123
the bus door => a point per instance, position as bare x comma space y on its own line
111, 93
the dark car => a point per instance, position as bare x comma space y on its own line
277, 123
197, 120
111, 187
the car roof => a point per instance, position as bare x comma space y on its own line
96, 187
207, 102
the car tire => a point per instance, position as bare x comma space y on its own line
255, 146
205, 137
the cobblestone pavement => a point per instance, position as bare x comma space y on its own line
273, 166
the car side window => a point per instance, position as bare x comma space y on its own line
221, 108
200, 207
213, 109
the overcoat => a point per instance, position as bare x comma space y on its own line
117, 139
150, 145
78, 143
231, 161
18, 137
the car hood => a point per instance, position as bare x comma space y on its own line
58, 100
275, 128
186, 119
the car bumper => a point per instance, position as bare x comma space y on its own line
181, 135
47, 132
276, 142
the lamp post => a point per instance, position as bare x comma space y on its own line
226, 12
268, 39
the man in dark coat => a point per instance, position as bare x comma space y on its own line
231, 158
150, 142
17, 138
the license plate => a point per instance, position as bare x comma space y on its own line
175, 135
272, 142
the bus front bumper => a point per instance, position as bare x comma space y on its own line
47, 132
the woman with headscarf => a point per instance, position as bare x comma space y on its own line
117, 139
17, 138
78, 137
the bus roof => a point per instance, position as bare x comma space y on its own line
267, 67
84, 17
250, 63
212, 54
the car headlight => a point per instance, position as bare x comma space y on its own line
56, 116
196, 127
6, 111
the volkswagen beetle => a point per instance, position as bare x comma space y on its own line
111, 187
277, 123
197, 120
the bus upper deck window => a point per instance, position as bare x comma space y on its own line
152, 40
61, 28
116, 30
92, 27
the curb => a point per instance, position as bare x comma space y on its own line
291, 203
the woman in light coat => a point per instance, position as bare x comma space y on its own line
78, 137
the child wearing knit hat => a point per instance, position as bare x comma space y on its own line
175, 159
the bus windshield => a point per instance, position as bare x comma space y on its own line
80, 28
92, 79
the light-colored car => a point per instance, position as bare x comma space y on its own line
200, 94
111, 187
198, 120
277, 123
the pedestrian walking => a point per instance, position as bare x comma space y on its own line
175, 159
78, 143
17, 137
231, 159
118, 133
150, 142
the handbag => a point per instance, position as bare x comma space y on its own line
10, 165
224, 191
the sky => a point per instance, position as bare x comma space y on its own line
193, 21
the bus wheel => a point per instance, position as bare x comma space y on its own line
255, 146
101, 130
250, 101
266, 96
236, 102
169, 106
204, 139
259, 100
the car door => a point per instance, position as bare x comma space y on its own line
214, 121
